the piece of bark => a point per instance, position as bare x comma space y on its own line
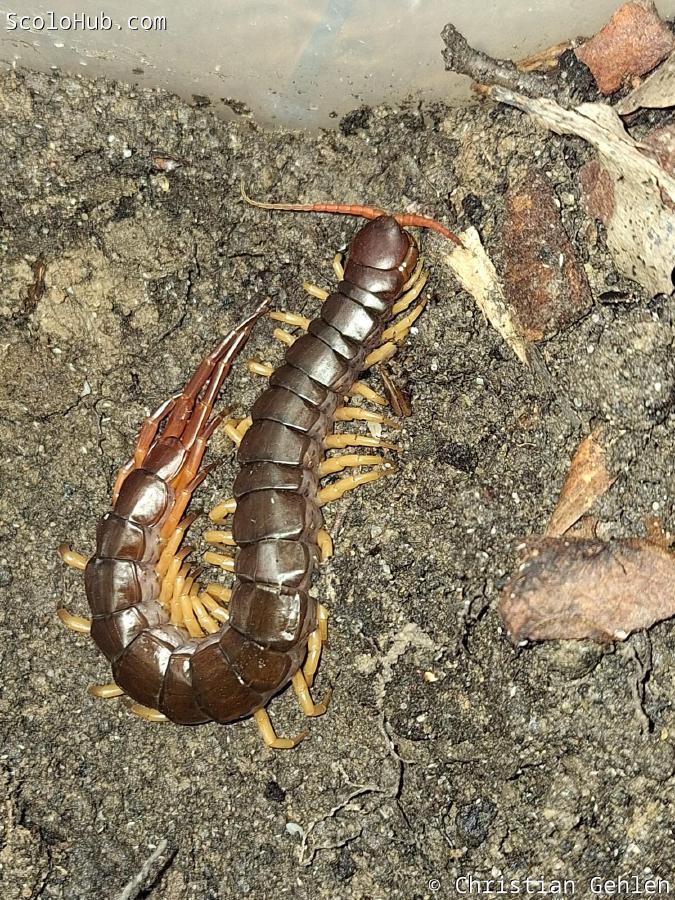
574, 589
655, 92
545, 286
641, 231
544, 61
588, 478
633, 42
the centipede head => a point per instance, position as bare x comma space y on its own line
383, 244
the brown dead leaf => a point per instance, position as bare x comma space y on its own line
633, 42
586, 480
575, 589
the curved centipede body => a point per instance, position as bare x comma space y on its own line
173, 647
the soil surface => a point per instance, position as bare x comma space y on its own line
446, 752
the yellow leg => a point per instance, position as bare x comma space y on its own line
361, 389
189, 619
308, 706
348, 461
349, 482
340, 441
415, 275
258, 368
325, 544
269, 735
284, 336
338, 267
105, 691
380, 354
220, 592
75, 623
411, 295
72, 558
144, 712
400, 330
244, 425
214, 608
230, 430
175, 604
169, 580
293, 319
226, 563
236, 430
355, 413
314, 291
175, 610
323, 622
206, 622
219, 537
219, 513
315, 645
172, 545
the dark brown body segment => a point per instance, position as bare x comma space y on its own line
231, 674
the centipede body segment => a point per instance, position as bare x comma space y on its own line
193, 654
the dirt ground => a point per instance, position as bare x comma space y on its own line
554, 761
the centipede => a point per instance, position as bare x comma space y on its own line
190, 653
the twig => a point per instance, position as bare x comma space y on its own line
461, 57
136, 884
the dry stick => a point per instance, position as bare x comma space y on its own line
136, 884
461, 57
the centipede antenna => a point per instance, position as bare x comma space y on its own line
412, 220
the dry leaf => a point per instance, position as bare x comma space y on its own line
566, 588
586, 480
655, 92
641, 230
477, 275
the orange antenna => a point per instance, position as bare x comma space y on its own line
365, 212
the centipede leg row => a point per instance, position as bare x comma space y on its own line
191, 653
